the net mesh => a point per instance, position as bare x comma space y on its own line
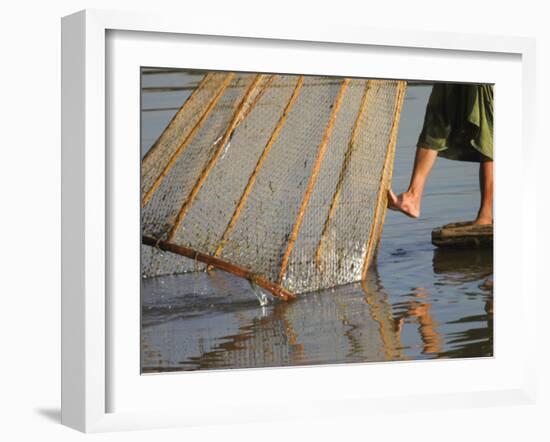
280, 179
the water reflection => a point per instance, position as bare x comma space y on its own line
214, 321
417, 311
202, 321
463, 265
476, 335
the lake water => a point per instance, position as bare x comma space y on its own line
418, 302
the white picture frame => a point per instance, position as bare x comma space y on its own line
92, 321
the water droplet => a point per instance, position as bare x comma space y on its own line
260, 294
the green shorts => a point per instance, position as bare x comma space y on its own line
459, 122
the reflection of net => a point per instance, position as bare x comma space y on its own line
353, 322
279, 179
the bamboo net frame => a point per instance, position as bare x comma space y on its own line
259, 175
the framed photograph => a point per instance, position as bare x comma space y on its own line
227, 244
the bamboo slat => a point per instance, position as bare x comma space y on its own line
380, 210
205, 80
147, 197
313, 178
343, 171
259, 165
240, 113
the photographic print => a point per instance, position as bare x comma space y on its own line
292, 220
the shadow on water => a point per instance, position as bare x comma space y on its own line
466, 265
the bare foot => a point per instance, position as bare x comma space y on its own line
405, 203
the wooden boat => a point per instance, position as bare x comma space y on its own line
463, 235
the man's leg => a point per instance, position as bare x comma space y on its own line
409, 201
485, 214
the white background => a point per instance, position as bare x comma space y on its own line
299, 386
30, 221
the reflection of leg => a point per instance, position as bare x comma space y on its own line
485, 214
428, 332
409, 201
431, 339
420, 310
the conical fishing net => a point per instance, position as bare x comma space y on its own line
279, 179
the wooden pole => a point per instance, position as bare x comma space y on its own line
313, 178
274, 289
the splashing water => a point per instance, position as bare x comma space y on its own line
260, 294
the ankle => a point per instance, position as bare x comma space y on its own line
485, 214
484, 218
